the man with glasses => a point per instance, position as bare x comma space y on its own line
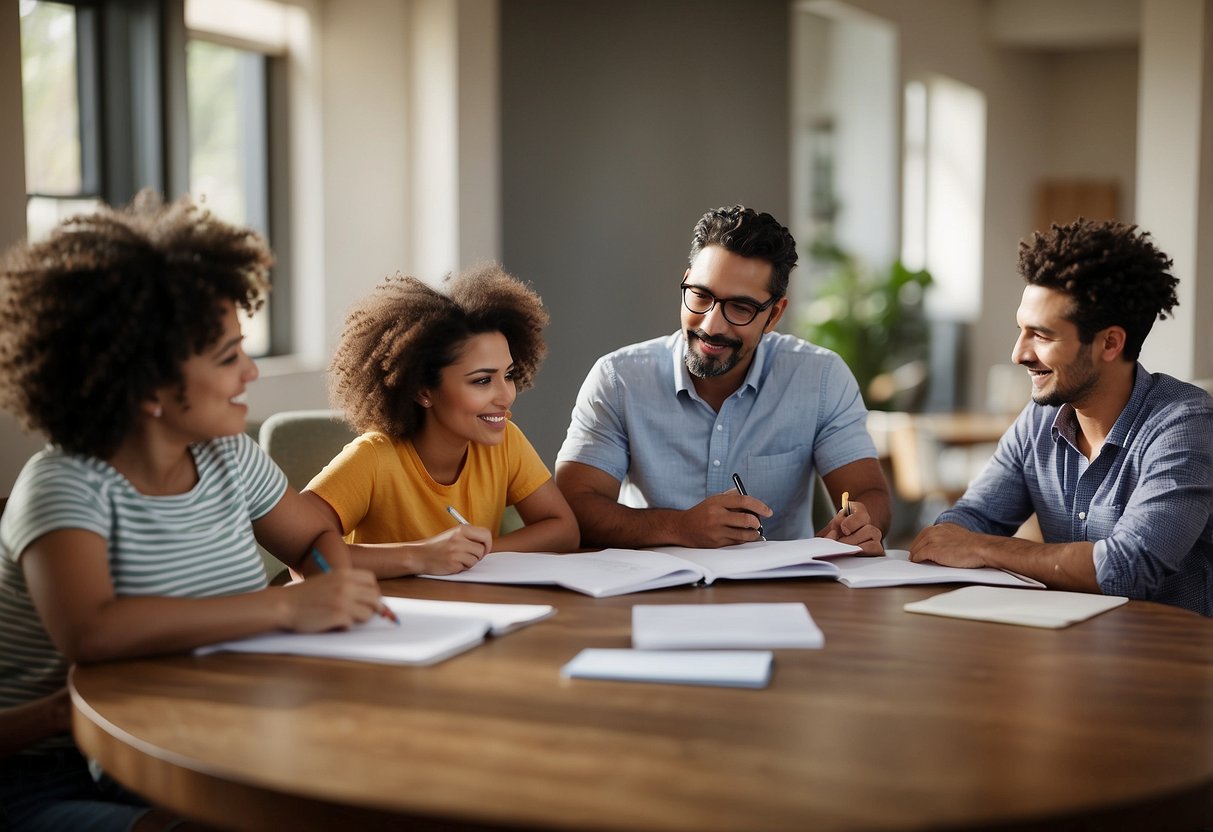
661, 427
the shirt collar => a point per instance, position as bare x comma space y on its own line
682, 376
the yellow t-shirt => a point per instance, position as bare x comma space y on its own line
383, 494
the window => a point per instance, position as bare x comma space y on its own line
189, 105
60, 147
943, 192
229, 154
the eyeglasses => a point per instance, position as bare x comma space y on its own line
737, 311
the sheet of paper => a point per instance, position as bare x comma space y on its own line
1029, 607
420, 639
598, 574
502, 618
722, 668
723, 626
863, 572
767, 558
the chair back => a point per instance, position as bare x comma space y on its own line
303, 441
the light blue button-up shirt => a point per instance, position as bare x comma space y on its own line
1144, 500
639, 419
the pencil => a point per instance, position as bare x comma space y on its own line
384, 609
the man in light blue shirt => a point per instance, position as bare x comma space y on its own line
661, 427
1116, 462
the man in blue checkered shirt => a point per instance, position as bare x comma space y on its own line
1116, 462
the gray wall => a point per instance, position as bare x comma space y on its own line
622, 123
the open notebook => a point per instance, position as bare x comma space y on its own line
621, 571
429, 632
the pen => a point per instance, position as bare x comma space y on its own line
846, 504
384, 609
454, 513
741, 490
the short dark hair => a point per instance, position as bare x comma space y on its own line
746, 232
1112, 275
106, 311
399, 338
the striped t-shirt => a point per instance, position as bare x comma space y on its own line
192, 545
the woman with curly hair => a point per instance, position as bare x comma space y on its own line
428, 378
132, 532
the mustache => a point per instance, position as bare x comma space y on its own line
700, 335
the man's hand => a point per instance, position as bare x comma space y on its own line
722, 520
948, 545
855, 528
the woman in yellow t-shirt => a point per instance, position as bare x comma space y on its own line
427, 378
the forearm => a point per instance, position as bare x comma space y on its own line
605, 523
133, 627
1068, 566
552, 534
388, 560
24, 725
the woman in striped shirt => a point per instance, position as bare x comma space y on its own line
134, 532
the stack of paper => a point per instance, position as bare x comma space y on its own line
723, 626
1029, 607
702, 644
429, 632
727, 668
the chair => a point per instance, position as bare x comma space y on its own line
304, 441
301, 442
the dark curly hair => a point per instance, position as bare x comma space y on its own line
1113, 276
746, 232
398, 339
106, 311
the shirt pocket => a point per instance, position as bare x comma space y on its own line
1102, 520
779, 463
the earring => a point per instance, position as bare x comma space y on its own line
158, 412
425, 402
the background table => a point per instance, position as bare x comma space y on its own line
901, 722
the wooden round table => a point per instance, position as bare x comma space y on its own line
901, 722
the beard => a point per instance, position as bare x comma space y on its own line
1082, 379
702, 366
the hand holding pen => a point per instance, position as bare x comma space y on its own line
853, 525
457, 549
322, 563
741, 490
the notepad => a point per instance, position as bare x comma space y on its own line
429, 632
621, 571
723, 668
723, 626
1029, 607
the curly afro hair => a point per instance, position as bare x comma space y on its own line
1113, 276
106, 311
398, 339
746, 232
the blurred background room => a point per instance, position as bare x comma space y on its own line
908, 144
